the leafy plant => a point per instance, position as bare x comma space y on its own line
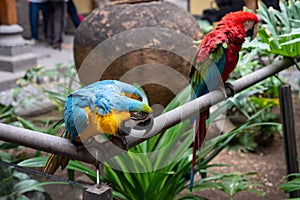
244, 142
262, 96
8, 116
161, 182
14, 184
37, 77
7, 113
230, 183
18, 185
292, 185
244, 107
205, 26
62, 80
281, 28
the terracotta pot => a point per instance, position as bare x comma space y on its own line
146, 43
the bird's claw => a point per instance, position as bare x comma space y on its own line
229, 90
119, 141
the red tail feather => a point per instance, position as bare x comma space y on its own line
200, 134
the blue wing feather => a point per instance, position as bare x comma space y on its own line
206, 74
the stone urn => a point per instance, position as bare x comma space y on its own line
149, 43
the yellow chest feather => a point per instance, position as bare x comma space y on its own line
108, 124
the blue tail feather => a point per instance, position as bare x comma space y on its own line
191, 180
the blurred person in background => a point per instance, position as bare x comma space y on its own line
57, 10
72, 11
35, 6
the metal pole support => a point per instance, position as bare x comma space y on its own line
286, 109
95, 192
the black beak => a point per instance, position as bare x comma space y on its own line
139, 121
137, 116
250, 33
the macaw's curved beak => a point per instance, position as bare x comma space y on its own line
252, 32
139, 120
139, 115
143, 119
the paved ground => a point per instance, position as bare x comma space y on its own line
49, 57
46, 57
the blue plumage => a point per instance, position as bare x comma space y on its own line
99, 108
101, 98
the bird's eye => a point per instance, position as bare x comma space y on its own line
248, 22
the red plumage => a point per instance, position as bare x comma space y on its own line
230, 30
236, 38
222, 45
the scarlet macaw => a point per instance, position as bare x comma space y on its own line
215, 60
100, 108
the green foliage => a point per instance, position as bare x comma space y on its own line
205, 26
18, 185
169, 162
152, 184
230, 183
6, 113
260, 97
281, 28
244, 142
73, 165
292, 185
37, 78
8, 116
40, 75
159, 183
243, 108
14, 184
62, 80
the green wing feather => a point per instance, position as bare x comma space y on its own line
207, 69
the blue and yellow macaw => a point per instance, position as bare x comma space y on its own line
100, 108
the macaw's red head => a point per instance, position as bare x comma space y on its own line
243, 20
